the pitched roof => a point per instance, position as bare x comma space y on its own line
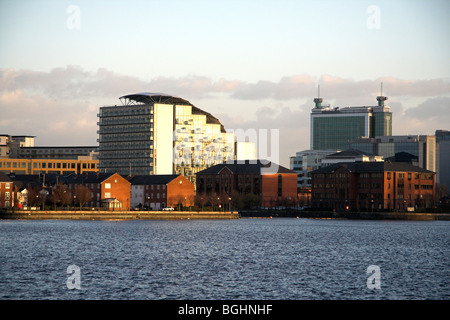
4, 177
246, 167
372, 167
152, 179
347, 154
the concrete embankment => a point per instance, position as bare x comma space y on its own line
118, 215
345, 215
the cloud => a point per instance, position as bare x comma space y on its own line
60, 106
438, 107
72, 82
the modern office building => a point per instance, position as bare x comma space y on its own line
443, 157
306, 161
350, 155
155, 133
55, 166
59, 152
335, 128
421, 146
10, 145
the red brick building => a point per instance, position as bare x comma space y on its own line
372, 186
156, 192
273, 183
116, 192
6, 191
110, 191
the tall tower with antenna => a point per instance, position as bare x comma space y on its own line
318, 101
381, 99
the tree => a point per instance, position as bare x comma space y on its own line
33, 196
201, 200
213, 199
82, 195
60, 195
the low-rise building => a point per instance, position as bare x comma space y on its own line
274, 184
156, 192
372, 186
6, 191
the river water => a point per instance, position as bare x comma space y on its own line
277, 259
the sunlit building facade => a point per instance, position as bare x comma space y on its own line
153, 133
335, 128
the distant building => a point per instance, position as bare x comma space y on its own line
421, 146
10, 145
55, 166
273, 186
304, 162
335, 128
372, 186
153, 133
245, 151
443, 157
59, 153
350, 155
156, 192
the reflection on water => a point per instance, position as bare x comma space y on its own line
276, 259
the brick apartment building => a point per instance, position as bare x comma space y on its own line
372, 186
156, 192
110, 191
249, 177
6, 191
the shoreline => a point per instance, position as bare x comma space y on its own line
117, 215
346, 215
179, 215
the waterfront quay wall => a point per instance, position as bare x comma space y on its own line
117, 215
344, 215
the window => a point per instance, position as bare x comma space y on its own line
6, 185
107, 185
107, 195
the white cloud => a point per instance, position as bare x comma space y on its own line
61, 106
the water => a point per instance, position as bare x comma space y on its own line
278, 259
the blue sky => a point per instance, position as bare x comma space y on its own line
251, 63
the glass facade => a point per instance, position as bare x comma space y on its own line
188, 137
198, 143
381, 124
332, 132
126, 139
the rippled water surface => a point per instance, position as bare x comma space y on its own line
279, 259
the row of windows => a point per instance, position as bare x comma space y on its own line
126, 145
49, 165
126, 111
147, 127
125, 120
141, 136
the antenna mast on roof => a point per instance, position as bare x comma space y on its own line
318, 100
381, 98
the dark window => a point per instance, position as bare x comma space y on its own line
280, 185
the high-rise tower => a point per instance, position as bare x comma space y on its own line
155, 133
335, 128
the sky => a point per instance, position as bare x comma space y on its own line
252, 64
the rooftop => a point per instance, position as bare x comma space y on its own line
372, 167
152, 179
163, 98
244, 167
349, 153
